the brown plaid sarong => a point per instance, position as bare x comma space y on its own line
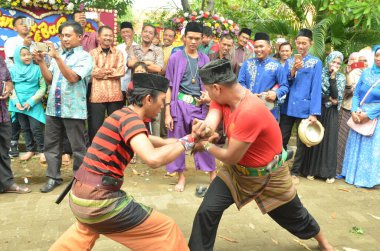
268, 192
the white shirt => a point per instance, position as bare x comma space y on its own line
10, 46
126, 79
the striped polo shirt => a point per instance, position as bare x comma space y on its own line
110, 151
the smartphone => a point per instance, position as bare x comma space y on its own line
297, 57
43, 47
357, 65
92, 15
3, 88
27, 22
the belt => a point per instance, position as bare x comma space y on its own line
105, 182
273, 166
187, 98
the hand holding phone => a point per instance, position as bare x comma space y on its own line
357, 65
42, 47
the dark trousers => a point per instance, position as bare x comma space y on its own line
292, 216
16, 129
66, 147
6, 175
97, 115
54, 133
33, 132
286, 126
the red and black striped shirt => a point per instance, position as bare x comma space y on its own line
110, 151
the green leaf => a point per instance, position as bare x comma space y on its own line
357, 230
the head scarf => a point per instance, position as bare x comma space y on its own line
375, 68
21, 72
353, 55
340, 78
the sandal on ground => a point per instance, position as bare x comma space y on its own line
14, 188
179, 188
133, 160
66, 159
168, 174
330, 181
200, 191
27, 156
310, 177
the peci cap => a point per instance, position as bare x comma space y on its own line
150, 81
218, 71
126, 25
261, 36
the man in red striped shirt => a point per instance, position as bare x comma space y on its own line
95, 197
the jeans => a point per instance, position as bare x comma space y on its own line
33, 132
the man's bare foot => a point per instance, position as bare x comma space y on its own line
323, 244
180, 187
327, 247
27, 156
212, 175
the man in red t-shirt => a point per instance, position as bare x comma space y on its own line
96, 200
254, 139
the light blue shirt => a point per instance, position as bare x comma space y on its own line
68, 100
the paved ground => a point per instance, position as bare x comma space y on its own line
34, 221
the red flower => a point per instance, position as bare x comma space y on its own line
205, 15
193, 18
215, 18
182, 19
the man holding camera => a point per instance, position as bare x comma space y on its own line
66, 108
304, 99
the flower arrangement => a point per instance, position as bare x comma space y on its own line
66, 6
218, 24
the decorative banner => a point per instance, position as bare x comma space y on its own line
46, 23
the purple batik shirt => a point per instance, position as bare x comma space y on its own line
4, 76
174, 72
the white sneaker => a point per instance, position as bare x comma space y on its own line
310, 177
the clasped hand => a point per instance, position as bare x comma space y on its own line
202, 133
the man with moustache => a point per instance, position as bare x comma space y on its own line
66, 108
147, 52
169, 37
208, 44
152, 56
185, 100
305, 94
241, 52
226, 42
109, 67
127, 33
261, 74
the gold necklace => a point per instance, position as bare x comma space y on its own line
191, 71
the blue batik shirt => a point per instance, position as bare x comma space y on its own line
68, 100
305, 88
261, 75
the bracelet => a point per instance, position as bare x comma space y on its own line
166, 104
207, 146
187, 142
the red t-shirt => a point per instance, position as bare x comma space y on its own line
252, 122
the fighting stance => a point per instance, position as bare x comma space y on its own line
95, 197
248, 172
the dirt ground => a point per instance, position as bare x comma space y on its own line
349, 216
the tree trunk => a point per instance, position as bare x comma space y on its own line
185, 5
210, 5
